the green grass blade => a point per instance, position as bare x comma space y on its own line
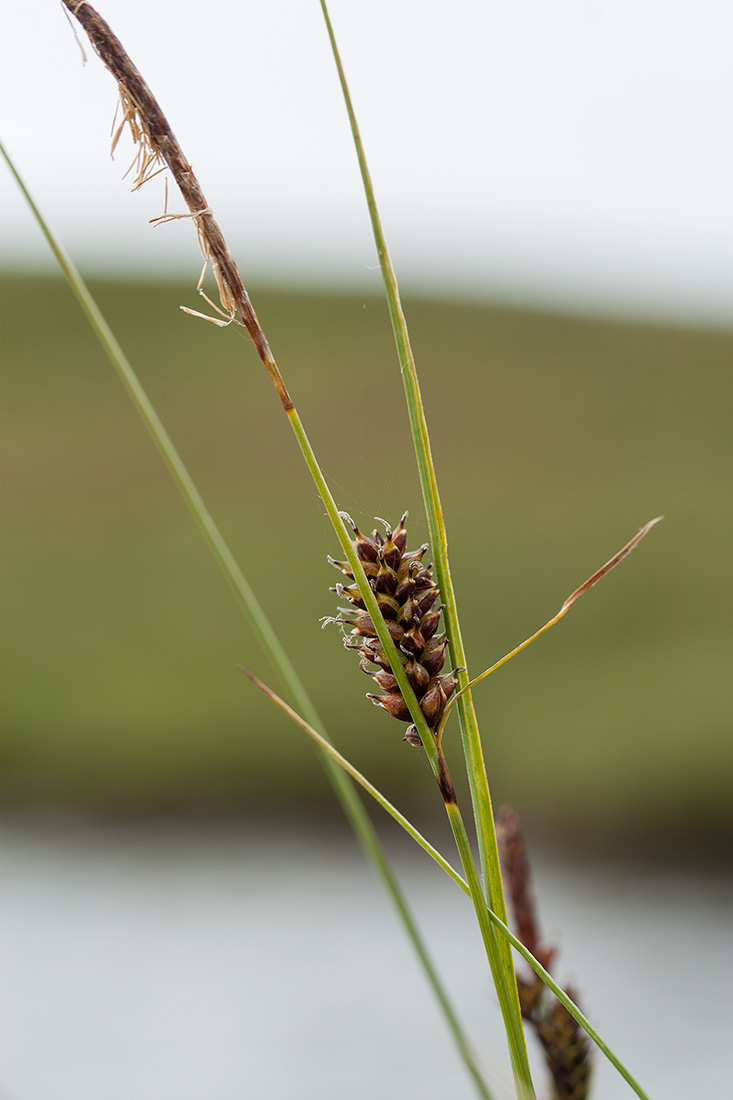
480, 795
343, 787
363, 782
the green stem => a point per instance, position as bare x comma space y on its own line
517, 1047
433, 507
480, 796
344, 789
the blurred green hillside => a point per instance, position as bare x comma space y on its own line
555, 438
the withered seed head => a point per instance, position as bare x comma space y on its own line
407, 598
564, 1044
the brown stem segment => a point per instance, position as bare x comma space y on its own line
156, 130
445, 782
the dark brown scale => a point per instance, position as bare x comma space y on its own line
433, 657
390, 554
409, 561
413, 737
409, 613
372, 651
433, 702
413, 643
394, 704
448, 684
427, 602
407, 596
399, 535
429, 623
351, 592
366, 549
389, 607
404, 591
384, 679
385, 580
418, 676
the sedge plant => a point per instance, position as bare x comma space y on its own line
392, 597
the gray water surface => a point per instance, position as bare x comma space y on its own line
226, 963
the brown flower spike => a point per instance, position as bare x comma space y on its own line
407, 597
565, 1047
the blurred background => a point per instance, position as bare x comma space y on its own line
554, 439
556, 195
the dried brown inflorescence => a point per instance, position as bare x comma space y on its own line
563, 1041
156, 146
407, 597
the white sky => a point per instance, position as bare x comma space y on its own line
571, 152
